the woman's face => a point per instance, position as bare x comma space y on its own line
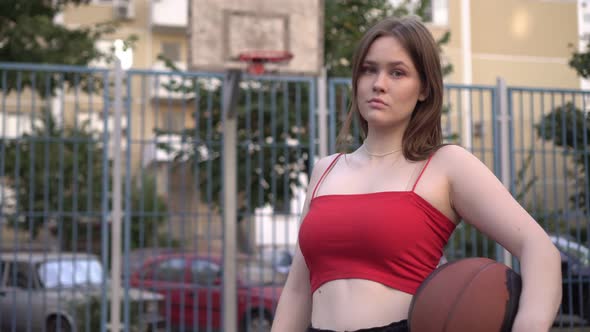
388, 85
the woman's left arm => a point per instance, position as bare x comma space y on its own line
482, 201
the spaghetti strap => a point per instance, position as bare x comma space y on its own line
422, 172
325, 173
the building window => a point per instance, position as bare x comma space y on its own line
171, 51
173, 120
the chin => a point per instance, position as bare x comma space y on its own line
379, 117
376, 121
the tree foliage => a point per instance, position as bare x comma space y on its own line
58, 173
569, 127
273, 141
580, 62
30, 34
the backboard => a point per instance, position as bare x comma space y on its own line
220, 30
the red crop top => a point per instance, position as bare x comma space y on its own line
395, 238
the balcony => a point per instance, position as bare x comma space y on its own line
169, 15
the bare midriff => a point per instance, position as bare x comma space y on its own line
353, 304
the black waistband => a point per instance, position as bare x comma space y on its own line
401, 326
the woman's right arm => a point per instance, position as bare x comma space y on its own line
293, 312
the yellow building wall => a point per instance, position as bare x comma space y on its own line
529, 28
525, 42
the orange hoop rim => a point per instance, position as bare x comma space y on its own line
264, 56
256, 59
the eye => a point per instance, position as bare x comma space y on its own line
365, 69
397, 73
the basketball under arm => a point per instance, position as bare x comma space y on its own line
481, 200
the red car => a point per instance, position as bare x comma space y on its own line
191, 285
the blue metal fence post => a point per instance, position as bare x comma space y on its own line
503, 130
105, 215
229, 160
312, 123
115, 324
322, 113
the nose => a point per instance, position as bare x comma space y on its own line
379, 83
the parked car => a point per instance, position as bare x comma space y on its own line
575, 268
51, 292
192, 285
279, 259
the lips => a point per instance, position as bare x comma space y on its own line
376, 103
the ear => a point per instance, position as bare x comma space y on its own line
422, 97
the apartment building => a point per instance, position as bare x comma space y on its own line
527, 43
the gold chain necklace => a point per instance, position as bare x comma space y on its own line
379, 154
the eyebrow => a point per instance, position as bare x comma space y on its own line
392, 64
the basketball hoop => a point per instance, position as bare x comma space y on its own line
257, 59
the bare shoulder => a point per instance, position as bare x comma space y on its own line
459, 164
320, 167
317, 170
455, 157
453, 153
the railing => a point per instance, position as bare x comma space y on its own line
150, 174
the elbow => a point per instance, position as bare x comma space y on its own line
552, 261
541, 253
553, 257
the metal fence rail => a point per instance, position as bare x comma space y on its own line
54, 206
550, 159
118, 174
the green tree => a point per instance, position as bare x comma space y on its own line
580, 61
57, 173
569, 127
273, 143
33, 166
29, 34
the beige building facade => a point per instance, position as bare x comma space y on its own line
526, 42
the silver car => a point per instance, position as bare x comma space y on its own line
62, 292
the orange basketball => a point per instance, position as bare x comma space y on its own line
472, 294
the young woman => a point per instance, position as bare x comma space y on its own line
376, 220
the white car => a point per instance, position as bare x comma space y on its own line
56, 291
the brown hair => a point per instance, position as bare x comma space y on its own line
423, 135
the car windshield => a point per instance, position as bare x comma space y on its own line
70, 272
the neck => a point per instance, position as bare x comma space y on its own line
383, 142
